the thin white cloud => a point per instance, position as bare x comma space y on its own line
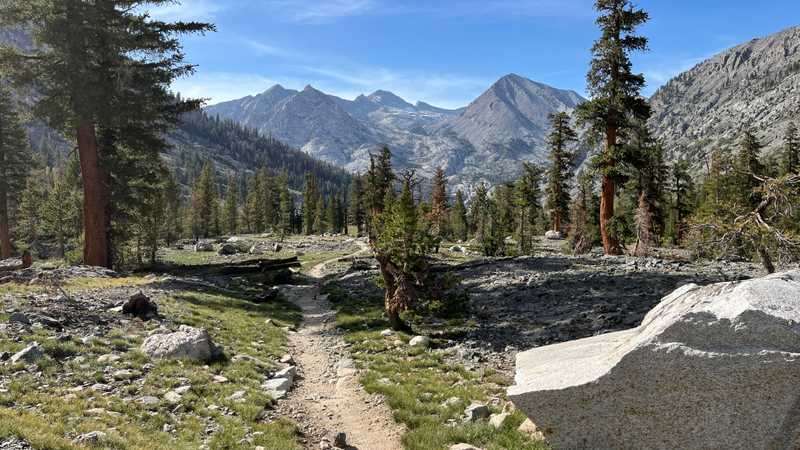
187, 10
221, 86
321, 11
262, 48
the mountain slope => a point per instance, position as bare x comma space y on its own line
756, 84
486, 141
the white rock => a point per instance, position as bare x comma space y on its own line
420, 341
712, 367
554, 235
172, 397
187, 342
463, 447
277, 388
91, 438
387, 333
498, 420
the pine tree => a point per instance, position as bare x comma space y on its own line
562, 162
682, 201
791, 150
173, 223
30, 213
616, 103
528, 205
439, 207
61, 212
355, 206
401, 247
458, 218
585, 229
15, 164
479, 212
231, 208
205, 203
748, 168
310, 199
102, 68
286, 225
645, 240
320, 218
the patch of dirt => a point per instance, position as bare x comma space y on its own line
329, 398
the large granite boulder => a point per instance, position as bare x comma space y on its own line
186, 343
716, 367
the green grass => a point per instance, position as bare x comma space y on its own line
417, 382
48, 413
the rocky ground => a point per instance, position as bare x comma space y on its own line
520, 303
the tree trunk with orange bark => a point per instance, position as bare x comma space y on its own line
95, 198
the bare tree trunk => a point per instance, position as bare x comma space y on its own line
397, 292
95, 198
5, 232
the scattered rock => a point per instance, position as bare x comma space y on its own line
172, 397
29, 354
452, 401
123, 374
387, 333
464, 447
721, 346
340, 440
498, 420
554, 235
287, 359
237, 396
91, 438
530, 429
18, 317
108, 358
228, 250
457, 249
202, 246
149, 401
219, 379
140, 305
476, 412
288, 373
420, 341
277, 388
187, 342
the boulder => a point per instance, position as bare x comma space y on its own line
139, 305
499, 420
554, 235
712, 367
420, 341
228, 250
277, 388
457, 249
476, 412
187, 342
202, 246
29, 354
92, 438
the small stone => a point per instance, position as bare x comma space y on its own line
288, 373
452, 401
277, 388
123, 374
91, 438
219, 379
148, 400
498, 420
182, 390
108, 358
420, 341
463, 447
340, 440
530, 429
476, 412
238, 396
387, 333
172, 397
287, 359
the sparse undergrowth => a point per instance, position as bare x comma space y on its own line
69, 392
418, 383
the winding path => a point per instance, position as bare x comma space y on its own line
329, 398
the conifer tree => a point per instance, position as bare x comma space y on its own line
585, 229
15, 162
562, 161
528, 205
355, 206
479, 212
173, 224
61, 211
682, 191
101, 68
791, 150
30, 213
205, 203
748, 169
616, 103
439, 207
254, 210
310, 200
320, 218
231, 207
458, 218
286, 206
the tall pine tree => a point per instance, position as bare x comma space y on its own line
15, 164
562, 162
616, 103
102, 68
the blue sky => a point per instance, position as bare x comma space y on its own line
444, 52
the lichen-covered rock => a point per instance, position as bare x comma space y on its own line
713, 367
187, 342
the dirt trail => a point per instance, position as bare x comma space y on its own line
329, 398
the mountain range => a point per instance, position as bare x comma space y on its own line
504, 126
755, 85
